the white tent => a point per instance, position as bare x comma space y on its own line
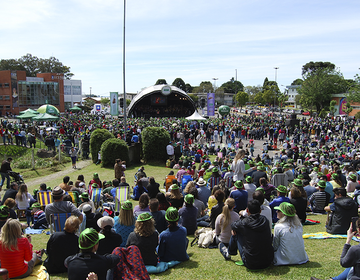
195, 117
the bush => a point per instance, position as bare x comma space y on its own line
357, 115
155, 140
113, 149
12, 150
98, 137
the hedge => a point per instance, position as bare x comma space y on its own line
113, 149
98, 137
155, 140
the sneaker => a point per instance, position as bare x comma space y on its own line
224, 251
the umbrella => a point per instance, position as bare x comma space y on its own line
45, 117
50, 109
75, 109
30, 111
26, 115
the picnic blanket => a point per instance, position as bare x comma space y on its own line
30, 230
161, 267
311, 222
325, 235
39, 273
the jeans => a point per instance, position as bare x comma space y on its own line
235, 244
3, 176
343, 275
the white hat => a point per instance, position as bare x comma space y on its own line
87, 208
105, 221
201, 182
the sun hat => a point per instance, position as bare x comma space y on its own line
87, 208
35, 205
189, 199
144, 217
334, 176
84, 195
127, 205
282, 189
321, 184
298, 182
319, 174
201, 182
316, 169
96, 175
287, 209
90, 236
174, 187
352, 176
94, 185
248, 179
57, 191
260, 189
105, 221
215, 170
239, 184
261, 168
172, 214
4, 212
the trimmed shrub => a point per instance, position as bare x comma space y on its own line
113, 149
155, 140
13, 151
98, 137
357, 115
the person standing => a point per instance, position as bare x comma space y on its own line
238, 166
119, 170
73, 154
4, 171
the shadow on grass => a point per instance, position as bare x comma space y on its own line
284, 269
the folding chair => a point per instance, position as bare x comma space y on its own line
229, 182
168, 181
122, 194
44, 198
213, 181
185, 179
96, 196
21, 214
58, 221
75, 197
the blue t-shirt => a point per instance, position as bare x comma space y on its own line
123, 230
189, 218
241, 199
173, 244
276, 202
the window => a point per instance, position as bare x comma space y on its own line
1, 107
1, 97
6, 85
6, 97
67, 90
7, 107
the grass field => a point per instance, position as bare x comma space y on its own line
324, 255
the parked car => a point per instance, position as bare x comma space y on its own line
307, 113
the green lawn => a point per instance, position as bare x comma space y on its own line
324, 255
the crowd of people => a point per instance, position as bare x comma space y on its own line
240, 195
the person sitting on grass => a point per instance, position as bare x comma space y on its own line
145, 237
125, 223
39, 217
172, 241
281, 197
288, 241
87, 260
143, 205
318, 200
189, 215
251, 235
175, 197
138, 190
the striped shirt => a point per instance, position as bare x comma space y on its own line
319, 200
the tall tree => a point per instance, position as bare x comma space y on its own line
317, 88
161, 82
105, 101
204, 87
297, 82
232, 86
188, 88
194, 97
353, 89
179, 83
312, 67
34, 65
241, 98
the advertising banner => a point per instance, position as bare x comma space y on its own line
114, 104
342, 106
211, 104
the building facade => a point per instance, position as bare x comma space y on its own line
18, 92
72, 93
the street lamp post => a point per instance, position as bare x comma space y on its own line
124, 105
276, 68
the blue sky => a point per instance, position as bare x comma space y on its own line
195, 40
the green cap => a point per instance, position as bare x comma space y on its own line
144, 217
172, 214
301, 176
35, 205
84, 195
189, 199
174, 187
94, 185
298, 182
91, 237
4, 212
96, 176
286, 208
127, 205
334, 176
248, 179
239, 184
282, 189
352, 176
215, 169
261, 168
321, 184
260, 189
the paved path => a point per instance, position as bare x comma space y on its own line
58, 175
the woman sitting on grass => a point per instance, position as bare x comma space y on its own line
175, 198
143, 205
145, 237
125, 222
288, 242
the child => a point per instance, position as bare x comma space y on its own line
39, 217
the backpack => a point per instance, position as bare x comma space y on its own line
204, 237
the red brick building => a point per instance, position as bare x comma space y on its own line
18, 92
